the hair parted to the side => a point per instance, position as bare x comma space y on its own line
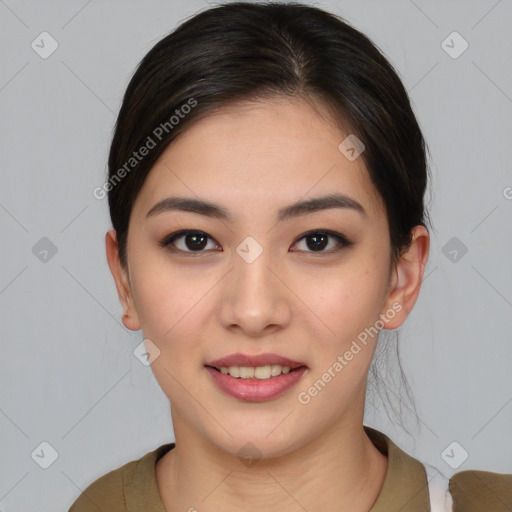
244, 51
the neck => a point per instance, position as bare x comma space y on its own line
341, 470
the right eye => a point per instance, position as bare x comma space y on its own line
192, 241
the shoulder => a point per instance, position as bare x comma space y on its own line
116, 490
474, 491
105, 493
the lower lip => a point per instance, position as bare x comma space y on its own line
256, 390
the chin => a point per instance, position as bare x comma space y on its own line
251, 446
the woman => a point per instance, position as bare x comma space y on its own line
266, 183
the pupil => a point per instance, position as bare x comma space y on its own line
317, 245
198, 241
194, 237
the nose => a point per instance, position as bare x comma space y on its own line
255, 299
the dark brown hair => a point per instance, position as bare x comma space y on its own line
246, 51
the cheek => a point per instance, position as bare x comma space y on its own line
347, 299
172, 308
168, 301
349, 304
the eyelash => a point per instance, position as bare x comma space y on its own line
171, 238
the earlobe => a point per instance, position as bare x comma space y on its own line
405, 283
119, 273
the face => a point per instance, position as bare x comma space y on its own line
303, 284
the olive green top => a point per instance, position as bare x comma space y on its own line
133, 488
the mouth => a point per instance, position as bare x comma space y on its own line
254, 361
259, 372
255, 378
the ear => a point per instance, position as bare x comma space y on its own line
120, 274
405, 280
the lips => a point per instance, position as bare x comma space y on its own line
254, 361
255, 390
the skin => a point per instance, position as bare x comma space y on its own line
254, 159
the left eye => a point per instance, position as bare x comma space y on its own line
318, 241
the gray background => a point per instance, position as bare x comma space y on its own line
68, 373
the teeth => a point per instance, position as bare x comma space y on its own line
260, 372
244, 372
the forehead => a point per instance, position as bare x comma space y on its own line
252, 155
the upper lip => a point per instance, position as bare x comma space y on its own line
253, 360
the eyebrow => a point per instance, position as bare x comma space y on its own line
213, 210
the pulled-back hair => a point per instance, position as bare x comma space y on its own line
249, 51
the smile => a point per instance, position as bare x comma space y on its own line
253, 388
260, 372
